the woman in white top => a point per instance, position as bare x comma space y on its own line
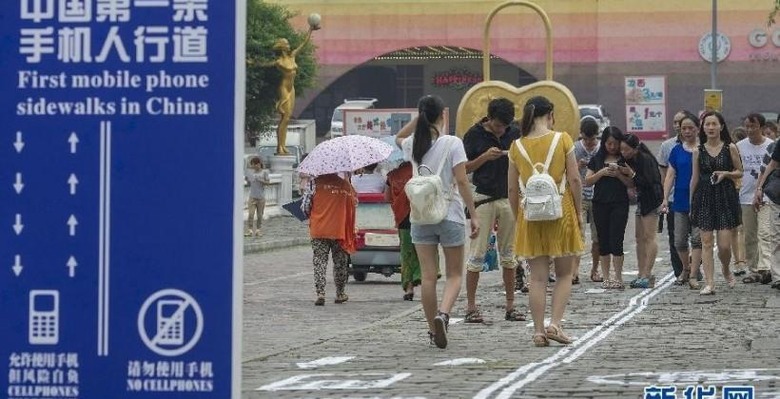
431, 146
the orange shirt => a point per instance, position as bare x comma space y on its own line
333, 211
399, 202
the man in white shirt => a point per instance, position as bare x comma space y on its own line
752, 150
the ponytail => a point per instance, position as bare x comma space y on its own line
430, 110
534, 108
528, 119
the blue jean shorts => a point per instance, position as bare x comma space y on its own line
447, 233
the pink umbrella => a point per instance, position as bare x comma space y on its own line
344, 154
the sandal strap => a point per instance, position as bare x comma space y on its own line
473, 317
514, 315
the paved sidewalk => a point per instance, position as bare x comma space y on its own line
375, 346
278, 232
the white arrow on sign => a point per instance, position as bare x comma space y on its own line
72, 222
19, 143
17, 267
18, 185
73, 140
73, 181
18, 226
72, 266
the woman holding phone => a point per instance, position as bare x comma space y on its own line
715, 202
610, 184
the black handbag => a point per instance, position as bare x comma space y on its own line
771, 186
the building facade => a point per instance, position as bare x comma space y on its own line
398, 50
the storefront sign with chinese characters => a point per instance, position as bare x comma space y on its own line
456, 78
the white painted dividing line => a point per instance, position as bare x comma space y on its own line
328, 381
460, 361
325, 361
596, 291
517, 374
546, 321
509, 391
455, 320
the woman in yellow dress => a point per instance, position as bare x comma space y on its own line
539, 242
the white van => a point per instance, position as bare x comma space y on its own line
337, 121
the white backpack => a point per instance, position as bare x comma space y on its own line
542, 197
428, 200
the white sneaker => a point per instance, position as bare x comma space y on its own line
248, 233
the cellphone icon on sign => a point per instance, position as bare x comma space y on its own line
44, 317
170, 322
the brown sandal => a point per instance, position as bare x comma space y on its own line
514, 315
595, 277
540, 340
556, 334
473, 317
752, 278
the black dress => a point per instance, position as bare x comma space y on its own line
715, 206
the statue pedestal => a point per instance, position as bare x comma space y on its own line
283, 165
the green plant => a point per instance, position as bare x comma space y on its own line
267, 22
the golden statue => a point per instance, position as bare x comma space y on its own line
289, 68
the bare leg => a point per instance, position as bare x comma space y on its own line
724, 253
594, 254
708, 262
537, 290
695, 262
641, 248
453, 260
509, 286
686, 262
576, 271
605, 266
560, 296
618, 261
428, 259
738, 247
472, 283
651, 245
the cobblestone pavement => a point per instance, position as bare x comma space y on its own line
375, 345
278, 232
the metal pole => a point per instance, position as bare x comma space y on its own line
714, 57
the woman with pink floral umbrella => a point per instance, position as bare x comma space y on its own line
331, 202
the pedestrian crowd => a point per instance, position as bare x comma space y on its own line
535, 192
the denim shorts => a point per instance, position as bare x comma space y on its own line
447, 233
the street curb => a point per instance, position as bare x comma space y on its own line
256, 247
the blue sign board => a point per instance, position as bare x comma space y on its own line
120, 165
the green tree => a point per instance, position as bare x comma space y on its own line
265, 23
773, 13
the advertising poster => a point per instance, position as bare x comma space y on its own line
646, 106
382, 122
